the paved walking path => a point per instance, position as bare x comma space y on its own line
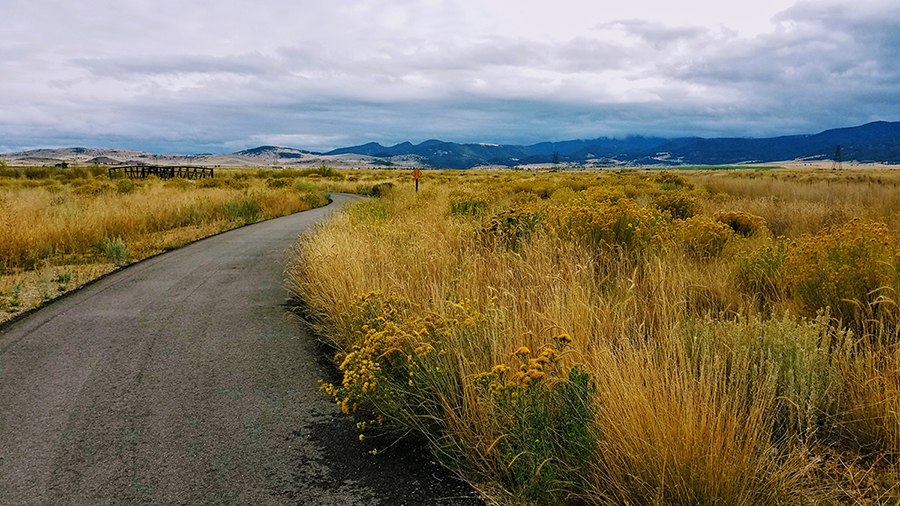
180, 380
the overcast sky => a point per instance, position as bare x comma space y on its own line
218, 76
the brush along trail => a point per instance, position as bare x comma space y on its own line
179, 380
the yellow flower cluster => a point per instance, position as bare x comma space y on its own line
842, 264
530, 370
593, 194
513, 225
394, 355
466, 313
623, 222
373, 310
533, 368
380, 336
679, 204
702, 236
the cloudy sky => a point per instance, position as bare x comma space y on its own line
193, 76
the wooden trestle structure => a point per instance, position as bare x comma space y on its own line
160, 171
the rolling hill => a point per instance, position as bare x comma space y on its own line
873, 142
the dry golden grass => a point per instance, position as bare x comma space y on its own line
53, 223
681, 384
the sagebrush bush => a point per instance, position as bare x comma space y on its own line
115, 251
320, 171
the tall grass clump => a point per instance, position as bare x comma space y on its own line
115, 251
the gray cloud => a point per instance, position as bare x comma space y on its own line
197, 78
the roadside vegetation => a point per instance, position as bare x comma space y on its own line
61, 227
624, 337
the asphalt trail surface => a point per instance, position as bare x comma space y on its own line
180, 380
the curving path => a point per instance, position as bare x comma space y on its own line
180, 380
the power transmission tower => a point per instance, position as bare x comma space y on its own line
837, 164
556, 160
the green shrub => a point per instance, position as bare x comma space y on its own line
37, 172
547, 417
322, 171
98, 171
800, 360
304, 186
316, 199
244, 210
376, 190
115, 250
468, 205
15, 294
6, 171
368, 209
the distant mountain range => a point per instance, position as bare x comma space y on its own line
872, 142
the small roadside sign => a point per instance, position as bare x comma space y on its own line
417, 174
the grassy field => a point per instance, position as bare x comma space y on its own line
624, 337
61, 227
